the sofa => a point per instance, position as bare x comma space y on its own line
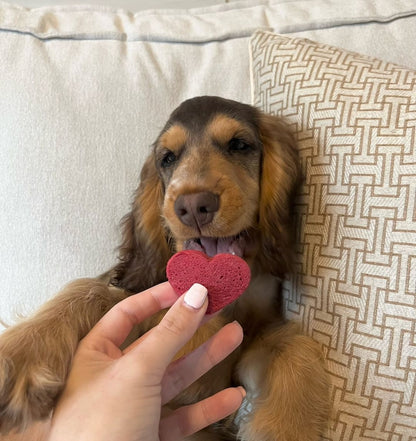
84, 91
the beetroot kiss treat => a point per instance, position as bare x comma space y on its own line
226, 276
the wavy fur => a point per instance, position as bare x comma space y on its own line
249, 161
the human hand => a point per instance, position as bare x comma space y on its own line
113, 394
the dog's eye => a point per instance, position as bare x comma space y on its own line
238, 145
168, 159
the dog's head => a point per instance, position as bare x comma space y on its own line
220, 179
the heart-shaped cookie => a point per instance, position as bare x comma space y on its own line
225, 276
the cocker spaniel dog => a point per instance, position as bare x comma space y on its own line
220, 178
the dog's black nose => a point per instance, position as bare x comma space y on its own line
197, 209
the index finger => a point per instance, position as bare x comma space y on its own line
118, 322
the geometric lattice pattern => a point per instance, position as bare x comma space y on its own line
354, 290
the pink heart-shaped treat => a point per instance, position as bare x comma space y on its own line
225, 276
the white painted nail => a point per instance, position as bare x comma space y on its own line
195, 296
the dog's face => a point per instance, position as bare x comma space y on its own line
209, 159
220, 179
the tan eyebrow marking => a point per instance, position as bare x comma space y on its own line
174, 138
223, 128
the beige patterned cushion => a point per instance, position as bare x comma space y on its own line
355, 287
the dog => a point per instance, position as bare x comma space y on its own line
221, 177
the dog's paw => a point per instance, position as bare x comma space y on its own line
287, 391
32, 375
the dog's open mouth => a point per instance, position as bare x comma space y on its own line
217, 245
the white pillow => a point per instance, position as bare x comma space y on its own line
84, 92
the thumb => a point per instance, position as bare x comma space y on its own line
175, 329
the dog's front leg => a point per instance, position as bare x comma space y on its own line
287, 388
35, 355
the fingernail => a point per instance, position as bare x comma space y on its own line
195, 296
243, 391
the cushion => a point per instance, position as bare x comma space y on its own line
84, 92
354, 288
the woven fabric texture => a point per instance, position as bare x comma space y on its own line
355, 286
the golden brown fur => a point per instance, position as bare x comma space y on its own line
243, 166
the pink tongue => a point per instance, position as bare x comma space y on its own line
213, 246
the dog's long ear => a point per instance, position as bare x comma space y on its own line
279, 179
145, 249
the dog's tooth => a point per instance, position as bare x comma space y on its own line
237, 247
193, 244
